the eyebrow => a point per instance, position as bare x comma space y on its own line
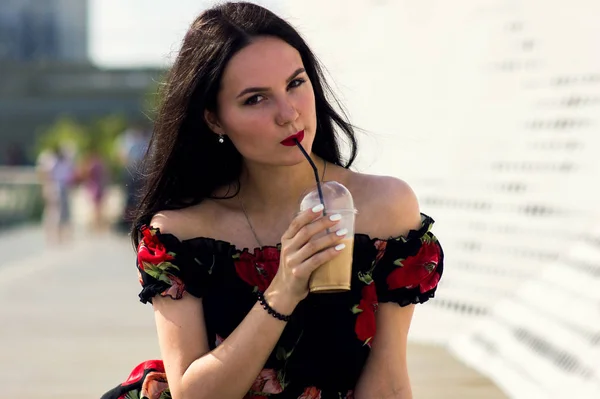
259, 89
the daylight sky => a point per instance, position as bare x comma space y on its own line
143, 32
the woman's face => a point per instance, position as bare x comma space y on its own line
265, 97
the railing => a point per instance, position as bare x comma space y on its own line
20, 196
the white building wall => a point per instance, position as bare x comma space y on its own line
490, 110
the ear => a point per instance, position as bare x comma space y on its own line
213, 122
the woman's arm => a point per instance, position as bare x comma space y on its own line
230, 369
386, 373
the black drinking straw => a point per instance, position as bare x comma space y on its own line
316, 171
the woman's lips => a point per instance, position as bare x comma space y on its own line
291, 141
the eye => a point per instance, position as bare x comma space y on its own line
253, 100
296, 82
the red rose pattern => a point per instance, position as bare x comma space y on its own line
258, 268
138, 372
429, 283
365, 326
418, 269
155, 385
267, 382
151, 250
176, 289
380, 245
311, 393
154, 259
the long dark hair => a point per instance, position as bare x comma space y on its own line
185, 164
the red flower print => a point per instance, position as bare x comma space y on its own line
259, 268
151, 250
367, 277
138, 372
155, 261
176, 289
350, 395
311, 393
365, 327
380, 245
418, 269
154, 385
267, 382
429, 283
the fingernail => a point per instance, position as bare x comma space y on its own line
339, 247
335, 218
341, 232
318, 208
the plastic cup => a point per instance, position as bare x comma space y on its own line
335, 275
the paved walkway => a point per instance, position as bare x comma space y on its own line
72, 326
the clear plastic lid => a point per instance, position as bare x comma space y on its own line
336, 196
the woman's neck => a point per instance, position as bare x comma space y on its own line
266, 188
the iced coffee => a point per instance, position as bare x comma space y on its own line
335, 275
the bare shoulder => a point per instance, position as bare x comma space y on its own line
186, 223
388, 206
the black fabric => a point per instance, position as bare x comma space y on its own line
325, 345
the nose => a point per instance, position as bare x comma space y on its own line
286, 113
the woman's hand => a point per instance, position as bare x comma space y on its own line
301, 254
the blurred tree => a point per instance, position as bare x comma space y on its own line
103, 133
100, 135
64, 132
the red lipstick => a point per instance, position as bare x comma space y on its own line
290, 141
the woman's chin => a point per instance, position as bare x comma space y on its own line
290, 156
296, 159
292, 161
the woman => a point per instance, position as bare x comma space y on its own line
220, 180
57, 174
94, 178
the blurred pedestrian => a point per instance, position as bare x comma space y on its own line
93, 175
57, 173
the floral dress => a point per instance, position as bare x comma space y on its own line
323, 348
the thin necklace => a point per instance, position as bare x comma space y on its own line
248, 218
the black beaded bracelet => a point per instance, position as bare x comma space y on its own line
272, 312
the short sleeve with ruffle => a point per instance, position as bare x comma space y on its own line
166, 268
409, 267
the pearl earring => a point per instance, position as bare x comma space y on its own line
221, 139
